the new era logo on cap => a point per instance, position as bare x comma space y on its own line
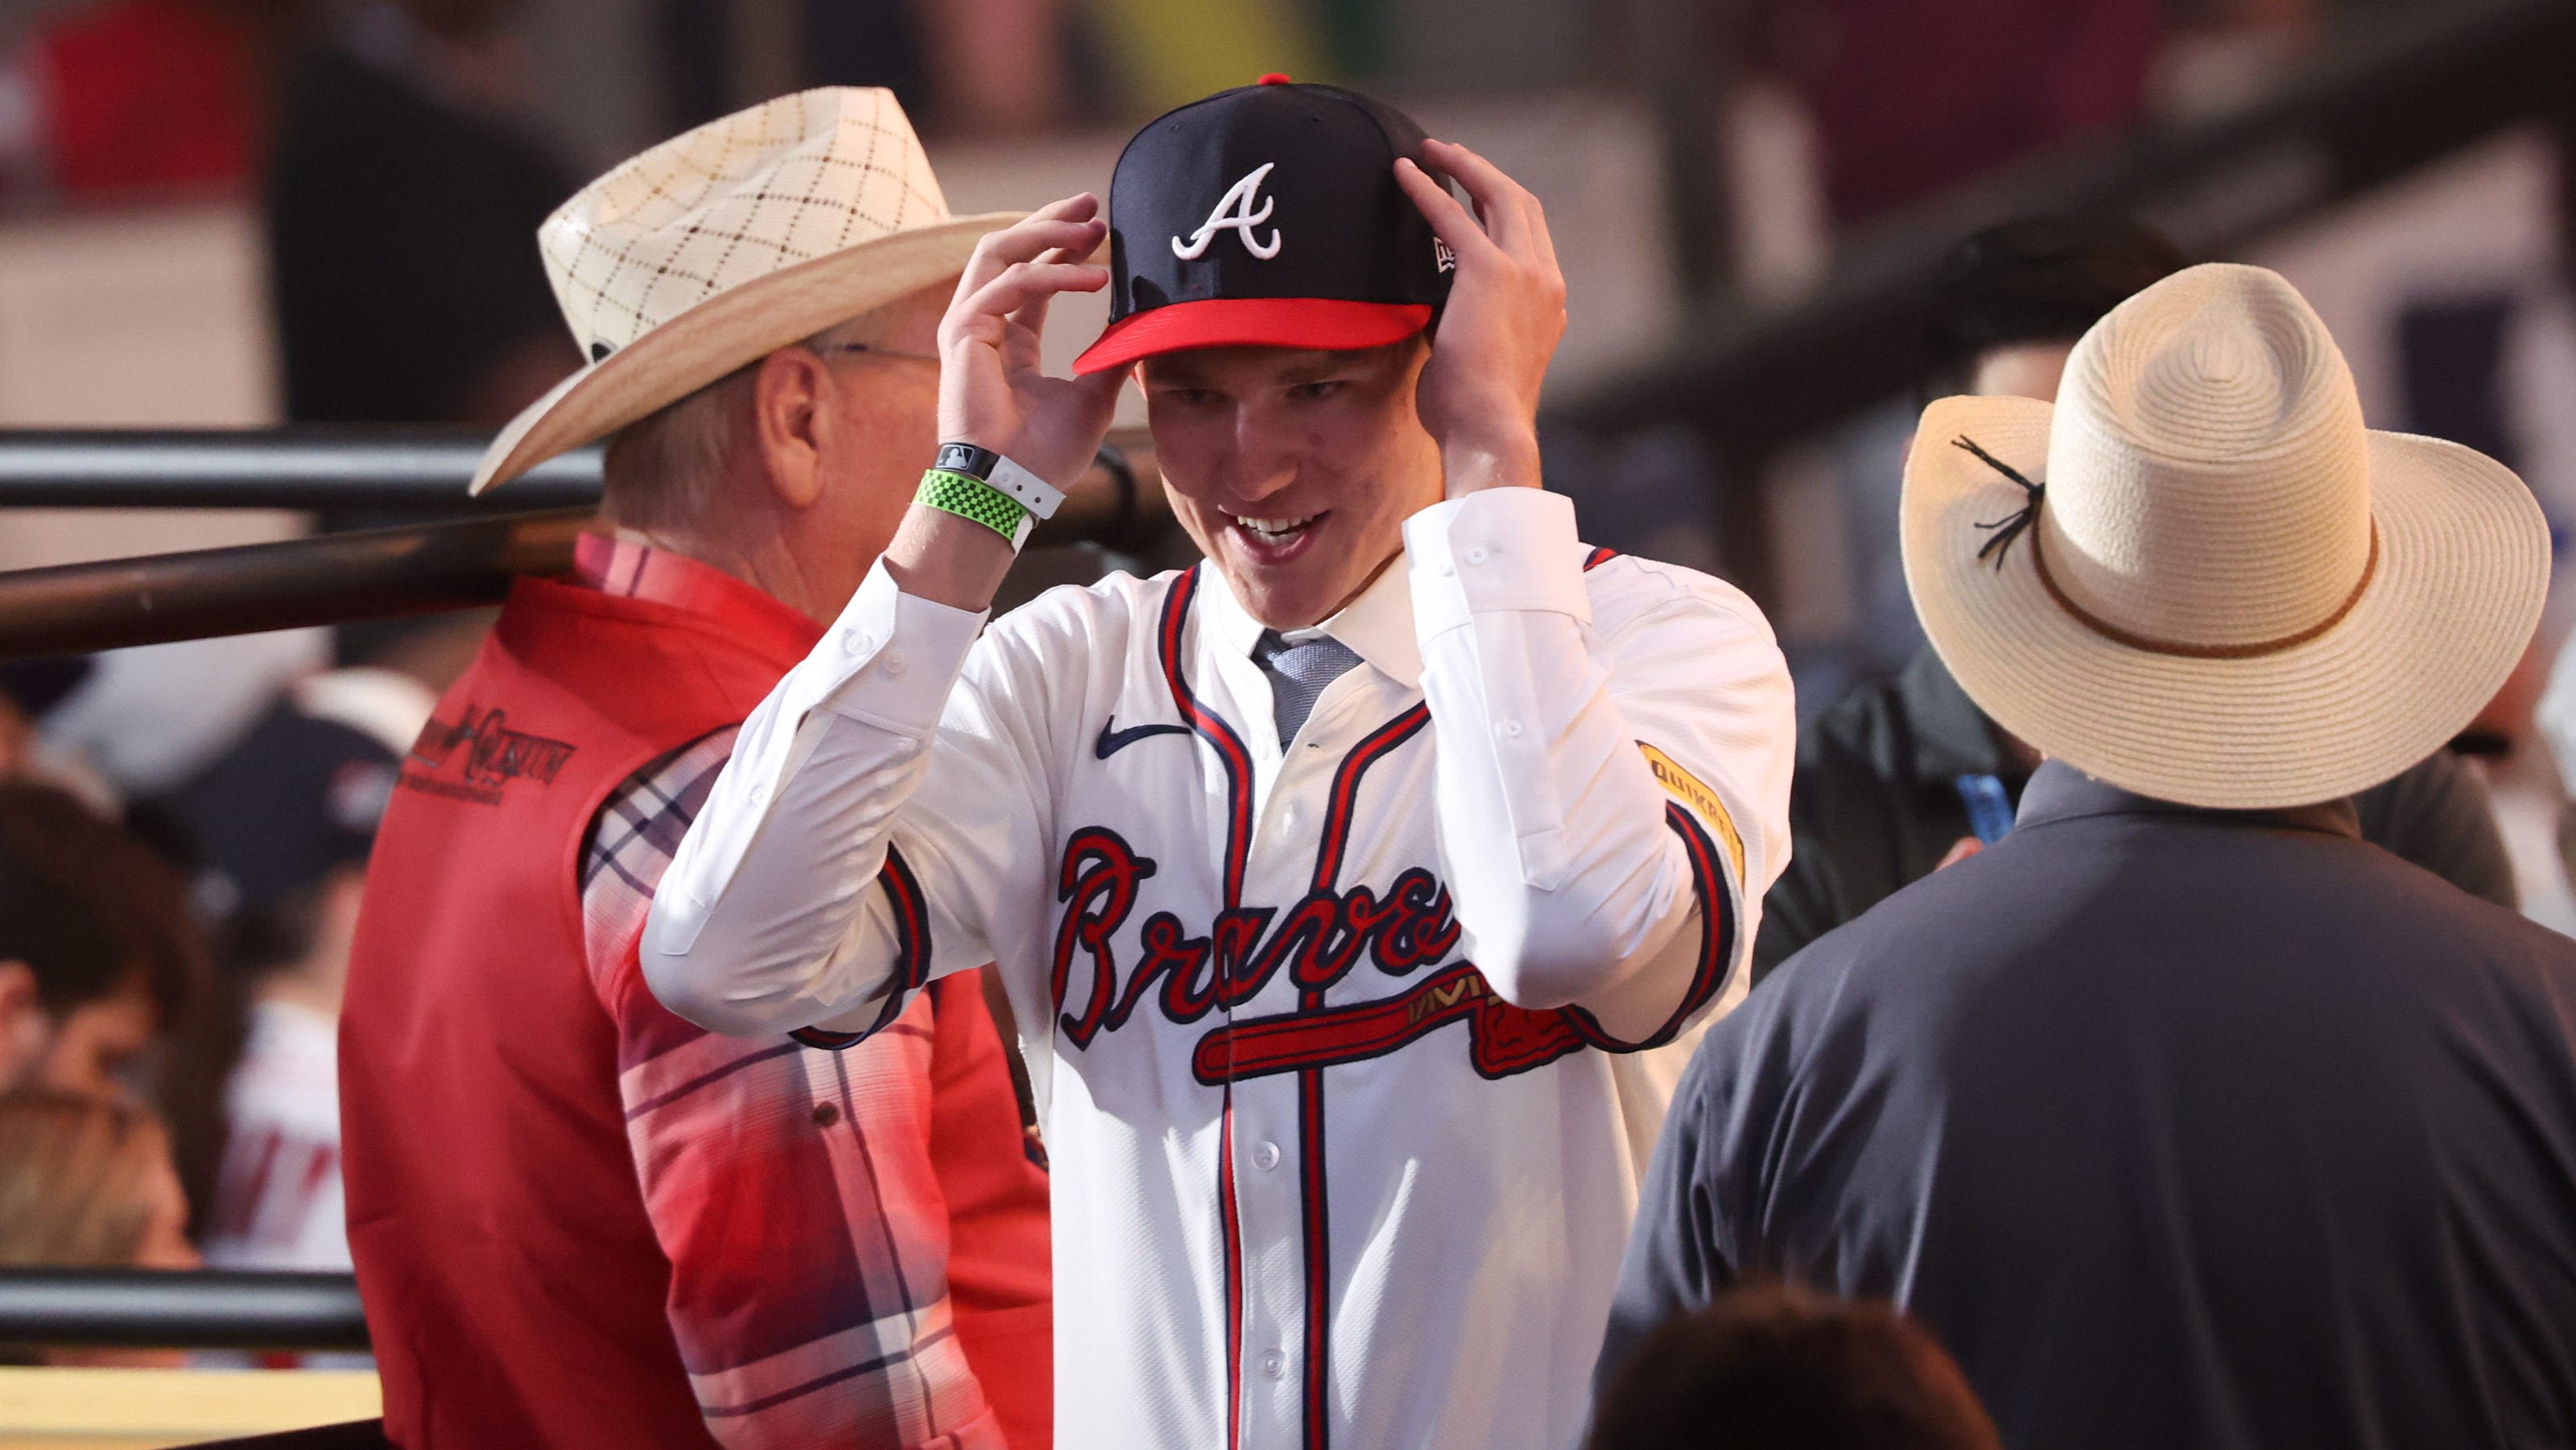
1268, 216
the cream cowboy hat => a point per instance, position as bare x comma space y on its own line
2220, 589
721, 246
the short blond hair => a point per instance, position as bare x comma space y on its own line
77, 1178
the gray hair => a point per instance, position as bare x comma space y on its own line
663, 471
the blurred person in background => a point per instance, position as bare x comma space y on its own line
402, 192
1904, 775
98, 954
576, 1218
2183, 1115
1770, 1367
278, 834
86, 1184
1913, 97
142, 98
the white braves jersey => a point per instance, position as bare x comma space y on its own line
1351, 1052
278, 1201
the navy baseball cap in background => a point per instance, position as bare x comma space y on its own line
1268, 216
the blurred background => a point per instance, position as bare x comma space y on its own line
247, 213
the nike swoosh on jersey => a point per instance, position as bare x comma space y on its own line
1112, 741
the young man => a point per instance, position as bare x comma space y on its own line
1904, 774
1346, 886
2182, 1115
578, 1220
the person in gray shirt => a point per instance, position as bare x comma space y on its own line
2180, 1114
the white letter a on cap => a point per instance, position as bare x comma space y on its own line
1237, 201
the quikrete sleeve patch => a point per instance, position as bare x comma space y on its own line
1703, 802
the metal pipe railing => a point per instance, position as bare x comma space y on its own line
190, 1309
327, 579
462, 563
390, 470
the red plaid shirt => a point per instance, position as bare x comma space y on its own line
805, 1318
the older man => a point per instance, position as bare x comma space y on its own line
577, 1219
2184, 1116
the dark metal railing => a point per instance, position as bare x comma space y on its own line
384, 470
328, 579
460, 563
193, 1309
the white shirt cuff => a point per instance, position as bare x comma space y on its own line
899, 656
1504, 549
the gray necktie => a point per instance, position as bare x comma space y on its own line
1298, 675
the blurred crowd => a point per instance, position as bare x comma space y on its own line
172, 958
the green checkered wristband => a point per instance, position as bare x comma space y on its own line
971, 498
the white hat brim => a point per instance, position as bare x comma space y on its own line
729, 330
2463, 566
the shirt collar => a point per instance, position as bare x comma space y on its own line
629, 567
1378, 626
2059, 792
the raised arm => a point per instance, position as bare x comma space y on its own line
1603, 784
1613, 792
855, 843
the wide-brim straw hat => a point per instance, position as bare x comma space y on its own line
2224, 591
718, 247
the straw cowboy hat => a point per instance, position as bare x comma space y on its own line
718, 247
2198, 577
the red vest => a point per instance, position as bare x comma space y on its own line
513, 1283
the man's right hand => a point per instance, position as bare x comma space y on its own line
993, 392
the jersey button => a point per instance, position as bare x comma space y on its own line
853, 642
892, 664
1476, 554
1266, 1157
1274, 1365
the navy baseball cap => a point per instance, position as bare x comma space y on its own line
1268, 216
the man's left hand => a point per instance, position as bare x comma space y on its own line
1479, 393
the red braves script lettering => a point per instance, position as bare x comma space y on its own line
1317, 941
495, 754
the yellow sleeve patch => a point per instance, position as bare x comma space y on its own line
1690, 791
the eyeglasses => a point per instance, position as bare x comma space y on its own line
874, 350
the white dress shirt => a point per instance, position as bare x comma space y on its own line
1350, 1052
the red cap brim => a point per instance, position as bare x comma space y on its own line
1315, 322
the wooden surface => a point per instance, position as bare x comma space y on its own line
131, 1409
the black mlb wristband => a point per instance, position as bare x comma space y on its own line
988, 467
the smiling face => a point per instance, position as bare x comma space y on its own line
1293, 470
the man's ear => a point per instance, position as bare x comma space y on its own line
23, 1025
792, 407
